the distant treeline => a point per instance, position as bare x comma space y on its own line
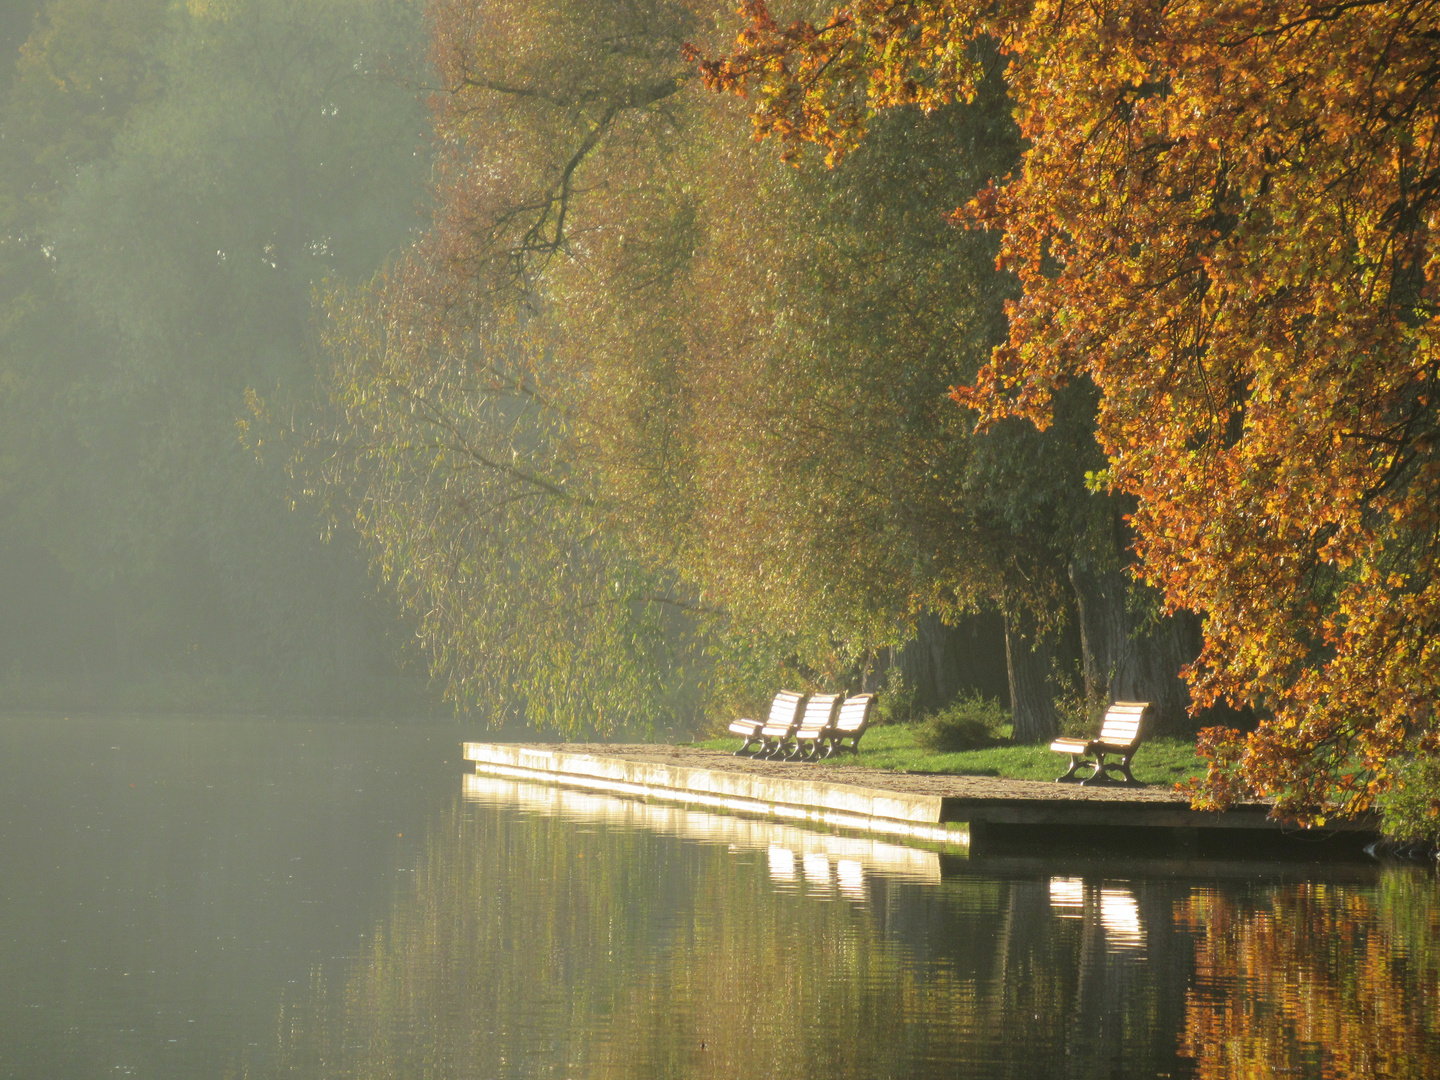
176, 180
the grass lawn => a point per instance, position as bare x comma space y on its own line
893, 746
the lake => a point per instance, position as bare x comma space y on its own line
218, 899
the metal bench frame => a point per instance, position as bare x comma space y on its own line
784, 715
1121, 733
851, 721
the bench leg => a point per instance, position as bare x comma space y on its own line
1076, 761
1105, 772
744, 750
1124, 767
774, 750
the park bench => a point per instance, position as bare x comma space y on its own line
850, 723
780, 729
784, 712
816, 725
1120, 734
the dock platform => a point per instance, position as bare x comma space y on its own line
984, 813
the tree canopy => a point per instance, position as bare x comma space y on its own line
1225, 220
646, 392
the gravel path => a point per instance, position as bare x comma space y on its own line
967, 787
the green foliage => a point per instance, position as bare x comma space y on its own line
450, 450
1410, 807
970, 722
896, 704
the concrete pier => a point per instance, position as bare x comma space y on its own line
986, 813
794, 797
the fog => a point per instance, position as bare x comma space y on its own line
175, 184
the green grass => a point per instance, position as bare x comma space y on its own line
894, 746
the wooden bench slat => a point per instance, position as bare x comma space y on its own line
1121, 731
1121, 721
851, 723
779, 725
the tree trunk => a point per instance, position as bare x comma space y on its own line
1124, 658
1028, 663
943, 661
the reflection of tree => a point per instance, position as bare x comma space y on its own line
531, 943
528, 940
1325, 980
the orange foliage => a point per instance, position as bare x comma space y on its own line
1226, 219
1319, 977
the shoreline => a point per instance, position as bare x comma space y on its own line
996, 813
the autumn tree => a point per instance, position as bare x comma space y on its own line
454, 438
731, 382
1225, 220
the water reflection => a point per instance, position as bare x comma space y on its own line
1120, 919
156, 916
1316, 981
598, 937
1115, 906
737, 833
589, 936
782, 865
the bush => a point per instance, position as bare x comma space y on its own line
1410, 810
967, 723
897, 704
1077, 714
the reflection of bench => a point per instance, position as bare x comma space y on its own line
1120, 733
784, 715
850, 723
817, 725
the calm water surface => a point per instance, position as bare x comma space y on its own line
214, 899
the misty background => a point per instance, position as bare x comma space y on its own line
175, 183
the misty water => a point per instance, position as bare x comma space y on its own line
248, 899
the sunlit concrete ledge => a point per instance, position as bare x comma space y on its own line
838, 805
995, 812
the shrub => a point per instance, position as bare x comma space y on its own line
897, 704
1410, 810
967, 723
1077, 714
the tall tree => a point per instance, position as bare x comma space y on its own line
1225, 219
732, 372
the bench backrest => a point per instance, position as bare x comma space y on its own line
784, 713
855, 714
1124, 723
819, 712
